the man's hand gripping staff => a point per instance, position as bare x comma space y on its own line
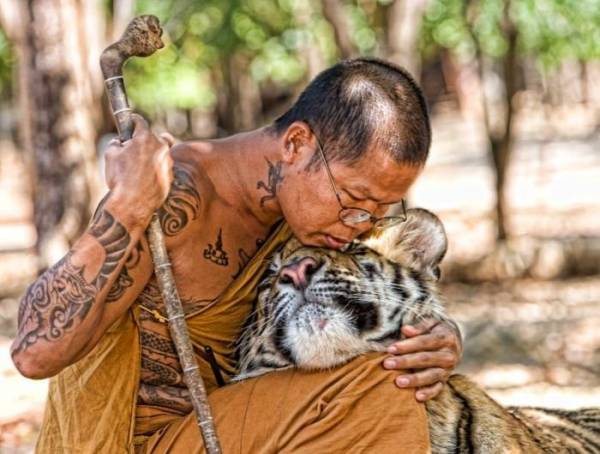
142, 38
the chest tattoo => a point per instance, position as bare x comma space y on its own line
216, 254
244, 258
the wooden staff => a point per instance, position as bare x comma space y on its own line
142, 38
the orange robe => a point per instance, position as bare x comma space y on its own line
91, 406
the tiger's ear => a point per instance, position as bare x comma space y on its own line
418, 243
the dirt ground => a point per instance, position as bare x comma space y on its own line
528, 341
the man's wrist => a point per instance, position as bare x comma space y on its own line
134, 214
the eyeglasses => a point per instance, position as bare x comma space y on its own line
353, 215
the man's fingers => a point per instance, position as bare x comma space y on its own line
429, 392
422, 360
168, 138
140, 125
422, 378
424, 326
425, 342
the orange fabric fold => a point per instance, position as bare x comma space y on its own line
91, 405
355, 408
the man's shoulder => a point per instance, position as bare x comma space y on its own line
190, 155
189, 191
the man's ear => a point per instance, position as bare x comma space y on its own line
297, 140
419, 243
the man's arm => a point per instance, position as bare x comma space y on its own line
66, 310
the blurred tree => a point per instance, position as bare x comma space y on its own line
495, 36
404, 18
336, 13
7, 73
58, 110
220, 52
6, 67
243, 60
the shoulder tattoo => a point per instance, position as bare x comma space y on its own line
182, 204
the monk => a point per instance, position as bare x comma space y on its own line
96, 324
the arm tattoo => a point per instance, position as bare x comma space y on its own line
61, 296
182, 204
216, 253
124, 281
275, 178
114, 238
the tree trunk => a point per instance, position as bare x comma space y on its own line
500, 139
238, 102
502, 144
404, 19
58, 109
303, 13
333, 10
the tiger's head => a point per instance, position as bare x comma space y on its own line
318, 308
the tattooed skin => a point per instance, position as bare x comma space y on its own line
216, 253
245, 258
61, 297
125, 281
157, 373
160, 365
166, 396
275, 178
182, 204
114, 238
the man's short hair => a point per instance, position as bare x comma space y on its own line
360, 103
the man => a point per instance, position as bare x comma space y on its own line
96, 317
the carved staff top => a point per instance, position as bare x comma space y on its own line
141, 38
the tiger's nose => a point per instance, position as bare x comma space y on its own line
299, 272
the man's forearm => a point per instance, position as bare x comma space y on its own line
61, 310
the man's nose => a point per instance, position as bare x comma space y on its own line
299, 272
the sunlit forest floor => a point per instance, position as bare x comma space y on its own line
528, 341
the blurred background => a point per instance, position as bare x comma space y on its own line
514, 92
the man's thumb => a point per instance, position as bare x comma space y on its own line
139, 124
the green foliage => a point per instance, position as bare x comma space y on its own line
7, 61
202, 36
272, 35
362, 28
550, 31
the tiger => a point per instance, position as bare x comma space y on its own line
318, 308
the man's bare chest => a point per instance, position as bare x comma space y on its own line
203, 265
210, 257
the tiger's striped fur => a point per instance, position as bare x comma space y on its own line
357, 300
